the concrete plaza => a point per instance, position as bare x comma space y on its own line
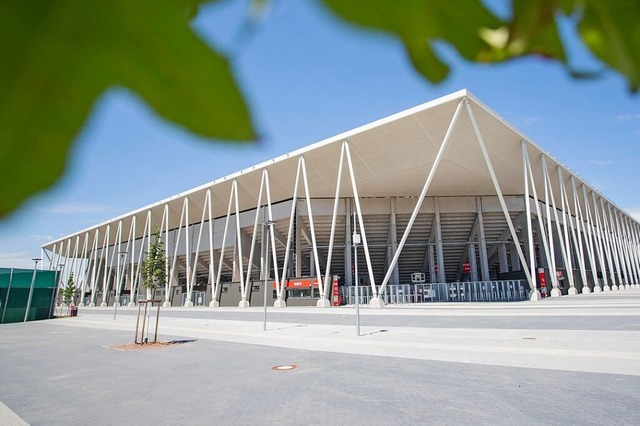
569, 360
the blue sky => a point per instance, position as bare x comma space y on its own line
307, 76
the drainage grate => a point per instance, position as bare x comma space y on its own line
286, 367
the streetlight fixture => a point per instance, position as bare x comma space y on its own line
266, 227
33, 282
119, 275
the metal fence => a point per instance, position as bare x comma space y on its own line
479, 291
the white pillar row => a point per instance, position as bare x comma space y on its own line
615, 249
593, 246
549, 255
606, 231
92, 285
174, 260
583, 239
194, 270
334, 218
105, 272
571, 222
602, 255
563, 237
623, 252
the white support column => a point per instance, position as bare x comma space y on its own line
194, 272
543, 236
106, 273
606, 230
187, 256
92, 285
323, 302
174, 261
263, 263
593, 244
279, 302
562, 239
583, 237
615, 246
627, 247
138, 266
636, 249
375, 301
334, 219
572, 223
599, 241
393, 241
623, 252
87, 264
224, 239
423, 194
482, 241
534, 294
214, 303
348, 265
442, 277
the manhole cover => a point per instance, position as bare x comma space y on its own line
284, 367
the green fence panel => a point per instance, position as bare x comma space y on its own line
15, 286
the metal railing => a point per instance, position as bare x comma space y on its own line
478, 291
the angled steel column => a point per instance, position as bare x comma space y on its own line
543, 235
583, 237
593, 242
393, 241
105, 275
442, 278
564, 249
534, 293
375, 301
334, 218
607, 242
482, 241
617, 260
279, 302
422, 195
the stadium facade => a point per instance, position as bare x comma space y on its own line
444, 201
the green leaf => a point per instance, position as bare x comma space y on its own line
420, 23
59, 56
610, 29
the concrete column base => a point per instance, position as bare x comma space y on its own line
376, 303
117, 304
103, 305
81, 305
214, 304
597, 289
572, 291
627, 287
586, 290
166, 304
131, 304
637, 286
188, 304
535, 295
606, 289
92, 304
323, 303
279, 303
614, 288
555, 292
244, 304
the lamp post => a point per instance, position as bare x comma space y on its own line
33, 281
119, 275
356, 241
266, 227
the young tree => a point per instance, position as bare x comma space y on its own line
154, 272
69, 291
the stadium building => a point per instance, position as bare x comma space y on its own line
442, 202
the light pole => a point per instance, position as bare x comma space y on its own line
119, 275
266, 227
356, 241
33, 281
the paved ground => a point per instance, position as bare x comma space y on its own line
562, 361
